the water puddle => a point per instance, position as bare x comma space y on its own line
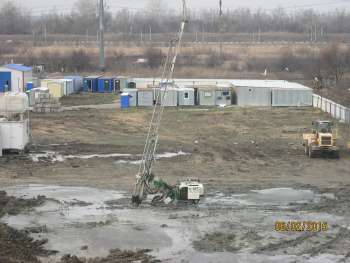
282, 197
72, 217
127, 158
158, 156
76, 217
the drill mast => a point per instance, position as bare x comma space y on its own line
144, 177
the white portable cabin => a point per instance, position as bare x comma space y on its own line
167, 97
186, 96
145, 97
18, 77
206, 95
224, 94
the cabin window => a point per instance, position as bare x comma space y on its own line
187, 95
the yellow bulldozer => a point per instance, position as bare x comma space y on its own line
322, 141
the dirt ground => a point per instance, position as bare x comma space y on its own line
250, 160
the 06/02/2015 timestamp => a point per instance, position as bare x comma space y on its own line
301, 226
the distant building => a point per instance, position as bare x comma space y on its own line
14, 77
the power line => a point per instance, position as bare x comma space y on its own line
309, 5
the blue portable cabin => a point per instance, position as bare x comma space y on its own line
77, 82
105, 85
91, 83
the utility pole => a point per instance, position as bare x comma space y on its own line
101, 37
221, 28
150, 34
45, 34
315, 33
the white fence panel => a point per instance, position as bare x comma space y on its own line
336, 110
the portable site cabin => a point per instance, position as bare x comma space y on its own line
105, 85
58, 87
206, 95
145, 97
276, 93
91, 83
120, 84
168, 97
225, 95
292, 95
131, 84
186, 96
14, 77
77, 82
252, 94
132, 97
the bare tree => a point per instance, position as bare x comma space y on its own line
334, 61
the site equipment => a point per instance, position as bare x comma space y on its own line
190, 190
322, 140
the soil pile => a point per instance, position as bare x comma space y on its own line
115, 256
16, 246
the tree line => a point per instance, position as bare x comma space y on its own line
158, 18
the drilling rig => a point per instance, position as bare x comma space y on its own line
190, 190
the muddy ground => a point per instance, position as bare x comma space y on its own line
250, 160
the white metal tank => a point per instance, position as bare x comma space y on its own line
14, 103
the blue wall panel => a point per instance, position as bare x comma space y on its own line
5, 81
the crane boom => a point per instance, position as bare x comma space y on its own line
144, 176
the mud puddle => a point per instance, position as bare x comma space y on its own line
280, 197
89, 222
51, 156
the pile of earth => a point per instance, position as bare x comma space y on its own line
16, 246
115, 256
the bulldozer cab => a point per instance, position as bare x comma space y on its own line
322, 127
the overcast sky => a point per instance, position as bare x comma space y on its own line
321, 5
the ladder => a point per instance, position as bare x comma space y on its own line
144, 176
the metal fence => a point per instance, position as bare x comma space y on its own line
336, 110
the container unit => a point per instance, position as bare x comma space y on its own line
91, 83
77, 82
145, 97
131, 84
206, 95
186, 97
105, 85
14, 77
68, 86
253, 96
292, 97
59, 87
168, 98
224, 95
56, 88
120, 84
132, 97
